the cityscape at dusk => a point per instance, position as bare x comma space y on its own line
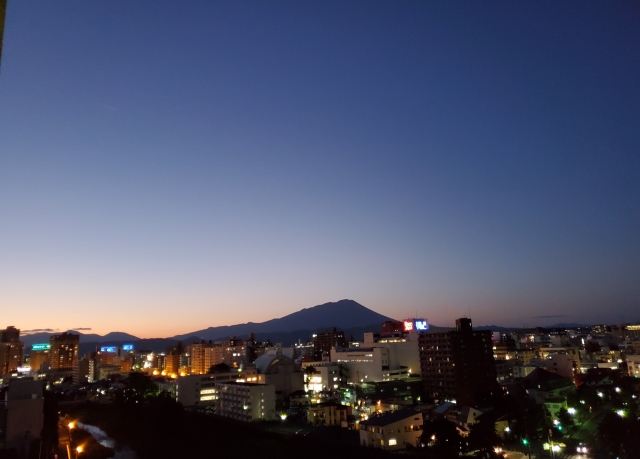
237, 162
320, 229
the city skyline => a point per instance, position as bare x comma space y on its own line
166, 168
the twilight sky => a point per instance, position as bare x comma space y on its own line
168, 166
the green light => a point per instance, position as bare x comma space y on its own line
559, 427
41, 347
525, 441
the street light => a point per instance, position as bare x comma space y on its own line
78, 451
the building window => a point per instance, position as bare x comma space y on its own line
392, 442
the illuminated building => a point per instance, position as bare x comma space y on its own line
10, 357
323, 342
198, 390
458, 364
39, 356
325, 376
392, 431
86, 369
11, 350
367, 364
328, 414
64, 351
245, 401
172, 363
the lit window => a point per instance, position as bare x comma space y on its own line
392, 442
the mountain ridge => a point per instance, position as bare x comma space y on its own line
341, 314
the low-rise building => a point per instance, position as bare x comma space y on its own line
329, 414
392, 431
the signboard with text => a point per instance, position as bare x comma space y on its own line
419, 325
109, 349
127, 347
41, 347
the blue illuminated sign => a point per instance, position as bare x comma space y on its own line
421, 325
127, 347
109, 349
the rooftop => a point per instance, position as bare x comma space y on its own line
389, 418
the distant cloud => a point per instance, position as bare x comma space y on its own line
81, 329
550, 317
39, 330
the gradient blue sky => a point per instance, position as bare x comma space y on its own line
168, 166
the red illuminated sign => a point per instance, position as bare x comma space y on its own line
408, 325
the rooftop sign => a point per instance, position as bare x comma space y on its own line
41, 347
420, 325
109, 349
127, 347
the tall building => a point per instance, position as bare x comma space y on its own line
9, 335
64, 351
323, 342
11, 350
458, 364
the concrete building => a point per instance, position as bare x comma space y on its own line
281, 372
64, 351
23, 415
325, 376
11, 355
11, 350
329, 414
368, 364
199, 390
403, 349
323, 342
39, 357
458, 365
633, 365
392, 431
246, 401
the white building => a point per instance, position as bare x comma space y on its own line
199, 390
392, 431
327, 376
246, 401
371, 364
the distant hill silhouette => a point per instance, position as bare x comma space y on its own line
343, 314
43, 337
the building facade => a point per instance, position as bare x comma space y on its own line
458, 365
63, 354
392, 431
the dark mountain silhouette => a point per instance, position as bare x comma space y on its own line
342, 314
43, 337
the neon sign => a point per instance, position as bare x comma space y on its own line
109, 349
127, 347
420, 325
41, 347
